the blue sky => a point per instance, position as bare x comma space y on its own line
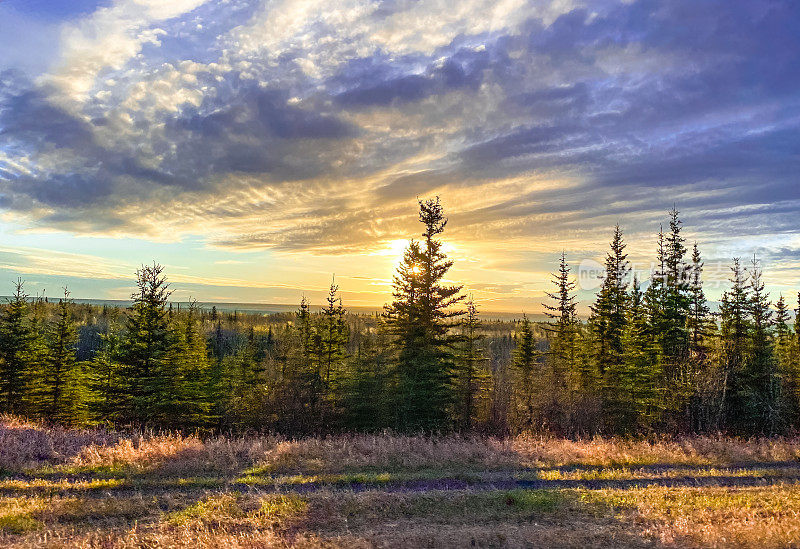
258, 147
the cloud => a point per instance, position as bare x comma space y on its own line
305, 126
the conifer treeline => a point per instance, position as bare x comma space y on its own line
646, 360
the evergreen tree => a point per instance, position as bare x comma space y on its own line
762, 382
609, 310
563, 316
700, 322
473, 377
785, 348
147, 395
734, 335
62, 384
420, 319
106, 385
17, 352
526, 362
244, 383
191, 377
797, 322
366, 394
562, 335
782, 330
333, 338
301, 381
701, 328
677, 300
655, 295
632, 399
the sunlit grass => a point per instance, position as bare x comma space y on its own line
45, 484
16, 514
212, 508
86, 489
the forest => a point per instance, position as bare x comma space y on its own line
653, 357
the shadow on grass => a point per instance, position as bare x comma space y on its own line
168, 478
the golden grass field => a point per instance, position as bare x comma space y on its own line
70, 488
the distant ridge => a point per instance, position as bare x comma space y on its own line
273, 308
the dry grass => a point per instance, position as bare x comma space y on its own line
25, 446
67, 488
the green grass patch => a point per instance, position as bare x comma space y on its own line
281, 507
18, 523
366, 477
210, 509
536, 501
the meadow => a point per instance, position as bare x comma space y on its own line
94, 488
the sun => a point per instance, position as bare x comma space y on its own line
415, 269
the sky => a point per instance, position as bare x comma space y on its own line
258, 148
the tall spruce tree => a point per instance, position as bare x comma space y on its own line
17, 352
62, 383
632, 400
700, 322
735, 329
701, 328
609, 310
677, 300
655, 295
302, 382
472, 374
562, 331
562, 313
420, 320
797, 321
526, 362
762, 382
334, 336
782, 330
147, 395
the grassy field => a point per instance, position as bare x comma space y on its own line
102, 489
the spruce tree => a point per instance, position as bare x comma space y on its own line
631, 392
762, 381
562, 331
17, 352
420, 320
785, 349
782, 330
333, 332
106, 385
564, 319
301, 381
655, 295
366, 398
526, 362
609, 313
700, 322
735, 329
797, 322
62, 382
701, 328
147, 395
191, 370
677, 300
473, 377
